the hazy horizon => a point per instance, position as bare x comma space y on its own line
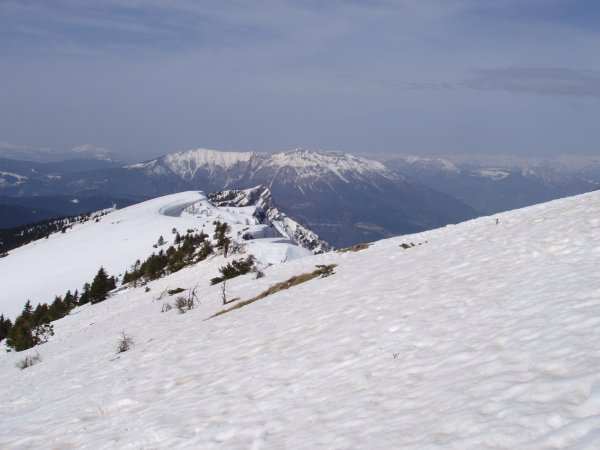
145, 78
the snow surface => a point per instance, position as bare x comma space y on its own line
185, 164
484, 336
49, 267
308, 163
494, 174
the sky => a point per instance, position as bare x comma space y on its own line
149, 77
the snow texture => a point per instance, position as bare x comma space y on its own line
483, 336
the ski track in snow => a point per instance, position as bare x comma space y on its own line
484, 336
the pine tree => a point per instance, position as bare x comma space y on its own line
101, 286
85, 294
5, 326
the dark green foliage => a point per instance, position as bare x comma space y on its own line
33, 326
175, 291
11, 238
221, 230
30, 328
85, 294
234, 269
189, 249
101, 286
5, 326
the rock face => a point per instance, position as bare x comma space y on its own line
267, 213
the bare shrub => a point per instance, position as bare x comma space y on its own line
184, 304
260, 274
181, 304
224, 294
28, 361
166, 307
355, 248
324, 270
125, 342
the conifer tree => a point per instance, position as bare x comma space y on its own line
85, 294
101, 286
5, 326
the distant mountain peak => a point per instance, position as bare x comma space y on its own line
311, 163
47, 155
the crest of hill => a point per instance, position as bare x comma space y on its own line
64, 261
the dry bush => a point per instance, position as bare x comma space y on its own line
355, 248
184, 304
125, 343
29, 360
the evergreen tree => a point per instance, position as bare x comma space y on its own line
20, 336
5, 326
85, 294
101, 286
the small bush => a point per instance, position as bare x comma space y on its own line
184, 304
28, 361
166, 307
175, 291
234, 269
181, 304
260, 274
125, 343
325, 270
355, 248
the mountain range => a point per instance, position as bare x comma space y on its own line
340, 196
491, 184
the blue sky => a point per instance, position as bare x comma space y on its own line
148, 77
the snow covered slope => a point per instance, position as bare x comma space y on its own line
484, 336
49, 267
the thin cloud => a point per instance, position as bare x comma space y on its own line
538, 80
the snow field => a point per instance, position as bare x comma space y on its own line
483, 336
49, 267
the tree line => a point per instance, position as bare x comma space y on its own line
33, 326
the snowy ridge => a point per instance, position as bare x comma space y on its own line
261, 197
439, 163
483, 336
185, 164
311, 164
11, 179
66, 261
304, 164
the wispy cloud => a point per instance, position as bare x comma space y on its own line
538, 80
